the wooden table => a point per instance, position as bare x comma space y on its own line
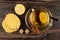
53, 6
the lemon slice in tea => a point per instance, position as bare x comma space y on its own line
43, 16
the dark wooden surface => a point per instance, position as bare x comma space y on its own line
8, 6
31, 0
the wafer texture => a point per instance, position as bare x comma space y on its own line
11, 23
6, 27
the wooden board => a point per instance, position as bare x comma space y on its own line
8, 6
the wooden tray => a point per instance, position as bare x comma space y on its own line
8, 6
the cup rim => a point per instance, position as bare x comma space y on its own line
26, 16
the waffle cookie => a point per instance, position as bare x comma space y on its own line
11, 23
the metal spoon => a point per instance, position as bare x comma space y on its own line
55, 19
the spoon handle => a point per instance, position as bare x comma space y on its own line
55, 19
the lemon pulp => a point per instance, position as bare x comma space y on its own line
43, 16
19, 9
